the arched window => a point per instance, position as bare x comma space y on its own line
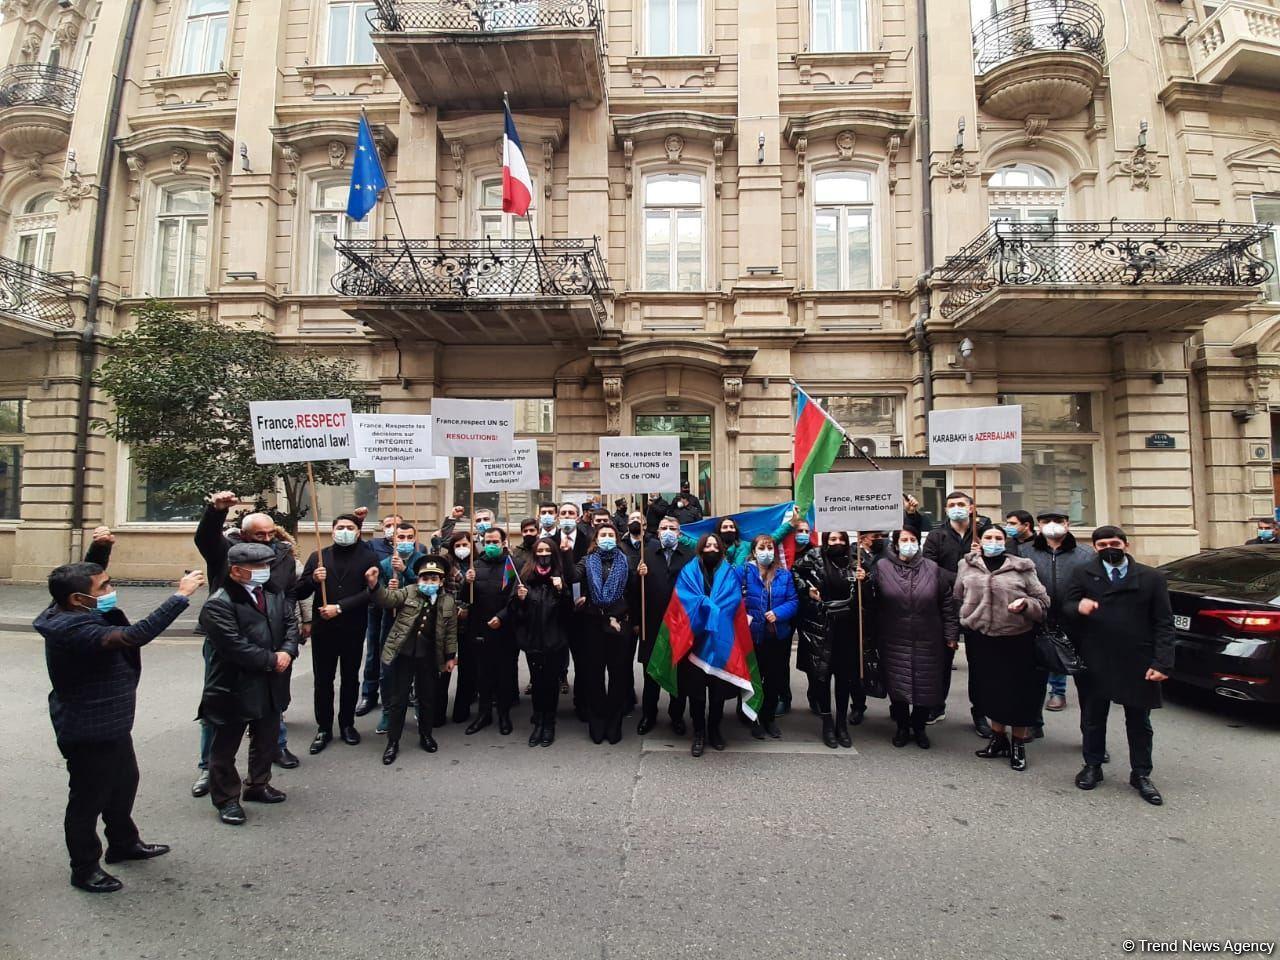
182, 241
491, 223
1024, 192
329, 221
843, 224
34, 231
673, 232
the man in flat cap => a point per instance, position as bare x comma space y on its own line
1056, 554
422, 644
253, 632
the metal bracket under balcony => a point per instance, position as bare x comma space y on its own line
32, 301
476, 291
464, 54
1039, 58
1097, 278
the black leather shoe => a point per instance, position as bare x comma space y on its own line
1146, 789
1089, 776
461, 716
504, 724
535, 736
715, 738
389, 755
698, 746
613, 733
757, 731
842, 733
139, 851
1018, 754
365, 706
981, 727
856, 716
285, 759
263, 794
231, 813
922, 740
771, 729
350, 736
428, 743
95, 881
829, 731
645, 725
548, 734
321, 741
901, 737
678, 727
997, 746
479, 723
201, 787
595, 728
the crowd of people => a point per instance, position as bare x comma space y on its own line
582, 592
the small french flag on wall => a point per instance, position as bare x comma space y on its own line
517, 185
582, 464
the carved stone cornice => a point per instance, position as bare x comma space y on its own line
859, 121
176, 146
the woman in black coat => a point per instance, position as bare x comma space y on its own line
541, 609
915, 626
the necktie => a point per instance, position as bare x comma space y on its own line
1115, 574
260, 601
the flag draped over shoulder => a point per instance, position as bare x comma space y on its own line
752, 523
814, 449
367, 178
712, 631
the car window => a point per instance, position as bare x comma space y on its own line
1253, 573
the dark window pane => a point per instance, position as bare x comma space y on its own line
11, 416
10, 481
1249, 573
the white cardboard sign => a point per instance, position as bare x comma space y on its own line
639, 464
975, 435
296, 431
519, 471
390, 441
472, 428
439, 470
870, 500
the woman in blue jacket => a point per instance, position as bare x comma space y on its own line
771, 606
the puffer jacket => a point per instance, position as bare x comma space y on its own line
916, 621
984, 596
778, 596
832, 621
1055, 568
407, 602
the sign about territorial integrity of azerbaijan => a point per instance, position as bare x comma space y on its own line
294, 431
870, 500
975, 435
518, 471
639, 464
391, 441
472, 428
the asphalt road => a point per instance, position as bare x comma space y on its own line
491, 849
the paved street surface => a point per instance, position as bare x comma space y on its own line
489, 849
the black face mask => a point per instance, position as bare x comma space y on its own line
838, 550
529, 540
877, 547
634, 527
1112, 555
730, 537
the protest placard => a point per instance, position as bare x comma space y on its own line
974, 435
639, 464
472, 428
439, 470
297, 431
858, 501
391, 441
519, 471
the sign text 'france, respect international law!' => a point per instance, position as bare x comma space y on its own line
391, 441
294, 431
472, 428
870, 500
975, 435
639, 464
519, 471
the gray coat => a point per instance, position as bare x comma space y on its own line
984, 596
916, 621
1055, 568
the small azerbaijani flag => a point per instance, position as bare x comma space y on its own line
814, 449
367, 178
517, 185
509, 575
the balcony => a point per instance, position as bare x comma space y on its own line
464, 54
1240, 43
36, 106
34, 304
1097, 278
476, 291
1039, 58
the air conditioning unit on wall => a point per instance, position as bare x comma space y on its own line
877, 445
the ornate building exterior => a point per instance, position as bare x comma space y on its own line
900, 204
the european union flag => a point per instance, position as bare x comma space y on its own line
367, 179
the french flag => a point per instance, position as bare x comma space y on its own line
517, 185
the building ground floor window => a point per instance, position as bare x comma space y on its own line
694, 431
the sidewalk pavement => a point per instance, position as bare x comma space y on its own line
20, 603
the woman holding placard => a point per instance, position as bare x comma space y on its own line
1001, 600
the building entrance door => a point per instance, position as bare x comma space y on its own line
694, 431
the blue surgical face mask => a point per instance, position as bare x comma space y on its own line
483, 525
404, 549
606, 543
668, 538
1011, 530
957, 513
992, 548
908, 550
428, 589
107, 602
260, 575
764, 557
567, 523
1266, 533
547, 521
802, 539
344, 538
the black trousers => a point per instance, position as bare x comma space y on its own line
103, 780
409, 673
774, 659
844, 671
495, 657
649, 700
332, 655
465, 690
946, 680
913, 715
1137, 726
224, 779
544, 674
706, 695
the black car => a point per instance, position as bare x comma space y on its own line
1226, 611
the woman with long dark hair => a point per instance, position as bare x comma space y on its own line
608, 580
736, 551
542, 605
459, 554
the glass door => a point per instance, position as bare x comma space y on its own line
694, 431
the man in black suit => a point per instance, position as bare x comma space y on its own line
1124, 623
253, 634
664, 558
92, 652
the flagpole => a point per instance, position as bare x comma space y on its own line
391, 198
832, 420
533, 233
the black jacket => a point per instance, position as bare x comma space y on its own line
345, 586
541, 618
654, 511
581, 544
1130, 632
659, 584
691, 512
832, 621
621, 608
213, 545
94, 666
241, 682
947, 548
492, 598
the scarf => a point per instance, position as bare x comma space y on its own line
605, 593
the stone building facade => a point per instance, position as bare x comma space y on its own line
900, 204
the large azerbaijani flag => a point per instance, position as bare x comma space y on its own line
712, 631
774, 520
814, 449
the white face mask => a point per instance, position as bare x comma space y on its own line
462, 552
389, 532
1054, 530
908, 550
344, 538
260, 575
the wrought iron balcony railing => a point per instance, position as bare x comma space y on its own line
485, 16
467, 270
33, 296
36, 84
1114, 252
1030, 26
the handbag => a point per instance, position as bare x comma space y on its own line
1055, 652
872, 674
